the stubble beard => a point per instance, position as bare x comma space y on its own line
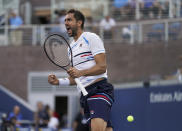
74, 32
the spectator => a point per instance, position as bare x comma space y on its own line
53, 121
142, 9
15, 20
5, 124
64, 120
60, 19
108, 24
148, 3
128, 12
127, 32
147, 6
80, 123
165, 10
41, 116
62, 14
47, 111
16, 34
61, 29
156, 10
15, 116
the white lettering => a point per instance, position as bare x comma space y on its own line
176, 96
160, 97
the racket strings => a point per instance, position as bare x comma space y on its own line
57, 51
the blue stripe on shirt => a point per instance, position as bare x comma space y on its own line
86, 40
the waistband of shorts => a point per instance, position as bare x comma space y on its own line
96, 84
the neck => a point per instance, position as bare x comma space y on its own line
79, 32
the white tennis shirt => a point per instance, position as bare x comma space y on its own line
83, 50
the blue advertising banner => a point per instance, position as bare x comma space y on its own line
7, 104
158, 108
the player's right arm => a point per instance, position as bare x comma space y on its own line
52, 79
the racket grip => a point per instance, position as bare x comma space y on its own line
82, 88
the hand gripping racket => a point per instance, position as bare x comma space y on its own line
59, 52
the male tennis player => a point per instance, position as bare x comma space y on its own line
89, 62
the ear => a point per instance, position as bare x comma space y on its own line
79, 23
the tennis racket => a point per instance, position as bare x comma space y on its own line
59, 52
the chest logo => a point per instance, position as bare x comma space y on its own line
81, 45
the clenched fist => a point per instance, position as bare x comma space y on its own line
74, 73
52, 79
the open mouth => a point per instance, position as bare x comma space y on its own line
68, 29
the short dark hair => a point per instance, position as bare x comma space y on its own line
78, 16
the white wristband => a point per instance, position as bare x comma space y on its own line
64, 81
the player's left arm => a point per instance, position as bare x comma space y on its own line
97, 69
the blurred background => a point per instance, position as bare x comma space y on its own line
144, 56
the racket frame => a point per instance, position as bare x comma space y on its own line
82, 88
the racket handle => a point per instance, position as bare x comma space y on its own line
82, 88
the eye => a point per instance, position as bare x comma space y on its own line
69, 19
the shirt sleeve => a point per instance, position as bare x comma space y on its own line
10, 116
113, 23
96, 45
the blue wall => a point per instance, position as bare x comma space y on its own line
7, 103
158, 108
